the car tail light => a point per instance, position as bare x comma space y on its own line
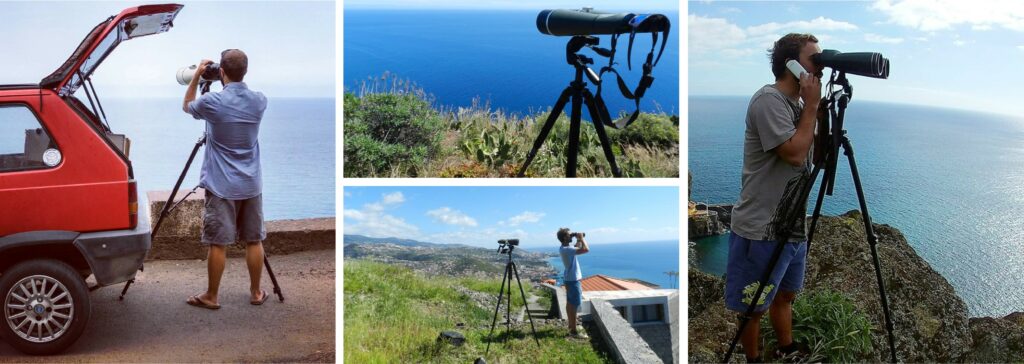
133, 205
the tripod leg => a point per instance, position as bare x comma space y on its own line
872, 242
494, 321
523, 293
508, 307
273, 278
588, 98
573, 152
817, 205
550, 122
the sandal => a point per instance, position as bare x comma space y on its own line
198, 302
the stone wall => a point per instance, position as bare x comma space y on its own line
557, 301
619, 336
179, 234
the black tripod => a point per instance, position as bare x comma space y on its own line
170, 205
506, 247
578, 92
836, 138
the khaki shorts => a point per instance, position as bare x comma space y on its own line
228, 221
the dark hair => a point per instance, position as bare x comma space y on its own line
234, 63
563, 235
786, 48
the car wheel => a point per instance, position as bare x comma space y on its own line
45, 306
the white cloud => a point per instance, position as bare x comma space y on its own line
706, 34
602, 230
932, 15
814, 25
451, 217
1021, 47
525, 217
727, 40
876, 38
393, 198
634, 219
372, 221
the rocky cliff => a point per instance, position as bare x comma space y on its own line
931, 322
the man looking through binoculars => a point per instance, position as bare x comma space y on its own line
572, 274
231, 173
780, 123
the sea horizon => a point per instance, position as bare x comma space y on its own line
647, 261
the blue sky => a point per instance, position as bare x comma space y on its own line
290, 45
480, 216
958, 54
505, 4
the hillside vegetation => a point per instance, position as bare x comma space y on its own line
392, 129
394, 315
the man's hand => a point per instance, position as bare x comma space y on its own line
582, 248
810, 91
202, 68
190, 91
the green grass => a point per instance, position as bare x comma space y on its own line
392, 129
393, 315
827, 327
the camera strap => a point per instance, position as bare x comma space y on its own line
638, 23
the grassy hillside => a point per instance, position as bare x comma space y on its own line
392, 129
393, 315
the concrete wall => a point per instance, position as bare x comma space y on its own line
179, 234
627, 346
558, 301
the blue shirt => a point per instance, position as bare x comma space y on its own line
572, 266
231, 164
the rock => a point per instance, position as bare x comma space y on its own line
930, 319
931, 323
705, 290
997, 340
451, 337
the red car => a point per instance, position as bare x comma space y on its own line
68, 199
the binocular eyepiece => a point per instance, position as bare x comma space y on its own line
868, 64
511, 242
586, 21
210, 74
577, 235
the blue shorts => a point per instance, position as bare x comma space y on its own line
748, 260
574, 293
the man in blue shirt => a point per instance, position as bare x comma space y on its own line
231, 173
572, 275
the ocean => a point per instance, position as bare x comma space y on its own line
296, 150
646, 261
952, 181
498, 56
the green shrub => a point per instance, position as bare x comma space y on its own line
651, 130
829, 326
387, 133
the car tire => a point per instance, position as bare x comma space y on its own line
45, 306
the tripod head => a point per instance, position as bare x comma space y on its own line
506, 246
839, 94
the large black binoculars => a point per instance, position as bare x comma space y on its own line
868, 64
564, 22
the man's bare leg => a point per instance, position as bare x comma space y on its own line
216, 259
781, 315
751, 336
571, 310
254, 259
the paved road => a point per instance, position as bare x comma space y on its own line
153, 323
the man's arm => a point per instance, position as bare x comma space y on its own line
794, 151
190, 91
581, 246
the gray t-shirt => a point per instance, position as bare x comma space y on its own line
231, 163
770, 186
572, 266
